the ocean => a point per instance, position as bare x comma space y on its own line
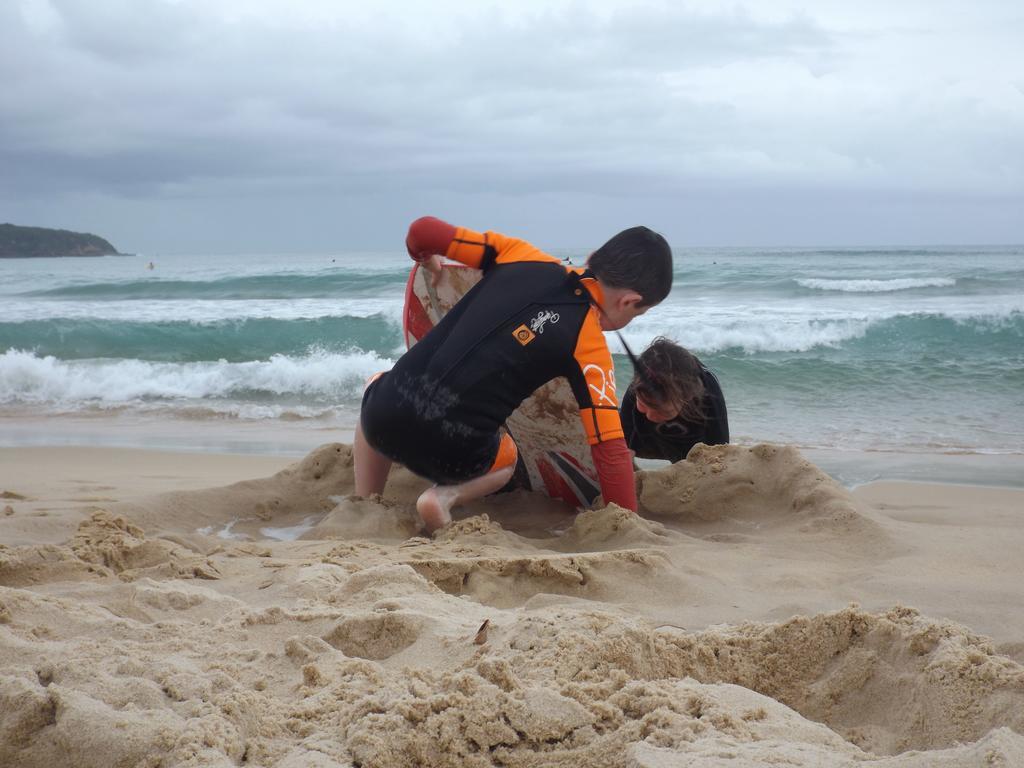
849, 349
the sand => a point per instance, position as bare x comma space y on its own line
163, 609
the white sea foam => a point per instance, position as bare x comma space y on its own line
28, 378
749, 335
799, 327
876, 286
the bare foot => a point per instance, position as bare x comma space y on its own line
434, 506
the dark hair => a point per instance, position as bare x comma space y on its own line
669, 375
637, 258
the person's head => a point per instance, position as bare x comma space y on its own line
667, 382
634, 269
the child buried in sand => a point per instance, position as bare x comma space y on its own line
440, 410
672, 404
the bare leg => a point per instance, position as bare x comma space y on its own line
371, 468
435, 504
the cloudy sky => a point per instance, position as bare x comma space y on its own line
323, 125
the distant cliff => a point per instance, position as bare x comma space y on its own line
27, 242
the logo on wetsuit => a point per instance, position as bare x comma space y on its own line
523, 335
544, 316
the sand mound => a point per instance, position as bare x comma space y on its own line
24, 566
373, 519
753, 489
613, 528
731, 481
102, 545
889, 682
115, 543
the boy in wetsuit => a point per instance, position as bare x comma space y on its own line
440, 410
672, 404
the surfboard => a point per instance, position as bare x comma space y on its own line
553, 450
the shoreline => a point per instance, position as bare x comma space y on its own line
856, 469
295, 439
31, 463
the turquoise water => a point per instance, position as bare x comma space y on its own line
911, 348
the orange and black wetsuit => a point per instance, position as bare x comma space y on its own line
530, 319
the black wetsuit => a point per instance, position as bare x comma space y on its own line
529, 320
672, 440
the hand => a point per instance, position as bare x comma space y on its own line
433, 265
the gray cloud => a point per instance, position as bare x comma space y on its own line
148, 107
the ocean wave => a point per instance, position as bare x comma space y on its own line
201, 311
770, 331
961, 330
326, 284
752, 337
185, 341
876, 286
318, 378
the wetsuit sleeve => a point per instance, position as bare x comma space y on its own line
592, 380
614, 465
593, 383
428, 236
484, 250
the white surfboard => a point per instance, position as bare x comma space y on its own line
552, 446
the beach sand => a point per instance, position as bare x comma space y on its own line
173, 609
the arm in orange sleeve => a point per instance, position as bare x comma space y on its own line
614, 463
428, 236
